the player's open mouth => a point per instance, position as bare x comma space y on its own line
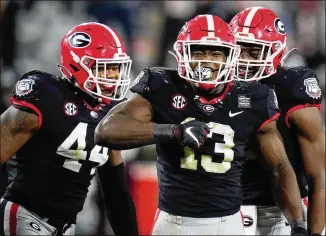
242, 72
107, 90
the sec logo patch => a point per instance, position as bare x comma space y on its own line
70, 109
179, 102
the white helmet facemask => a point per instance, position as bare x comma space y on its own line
202, 74
99, 78
262, 67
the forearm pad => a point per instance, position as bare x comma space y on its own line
166, 132
120, 207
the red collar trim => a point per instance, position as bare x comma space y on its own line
93, 108
221, 97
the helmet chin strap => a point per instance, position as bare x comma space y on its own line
61, 68
173, 54
71, 79
287, 55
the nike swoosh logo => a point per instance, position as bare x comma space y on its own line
234, 114
188, 131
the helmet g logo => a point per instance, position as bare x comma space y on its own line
279, 26
79, 40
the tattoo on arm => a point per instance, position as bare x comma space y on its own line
17, 127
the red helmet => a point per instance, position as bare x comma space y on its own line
91, 46
261, 27
205, 30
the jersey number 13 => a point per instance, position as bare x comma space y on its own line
189, 161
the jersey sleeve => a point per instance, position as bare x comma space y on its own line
306, 92
151, 86
270, 110
142, 85
30, 93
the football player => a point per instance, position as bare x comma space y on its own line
201, 123
50, 129
262, 37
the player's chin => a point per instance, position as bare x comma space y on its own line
243, 74
107, 93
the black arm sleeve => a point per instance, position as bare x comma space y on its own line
119, 205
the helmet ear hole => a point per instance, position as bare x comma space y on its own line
74, 67
65, 72
89, 85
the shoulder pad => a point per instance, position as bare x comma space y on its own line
304, 84
263, 99
37, 74
162, 70
296, 72
31, 84
150, 79
255, 89
162, 75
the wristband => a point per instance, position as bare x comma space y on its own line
166, 132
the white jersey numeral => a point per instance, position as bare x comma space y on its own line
189, 161
98, 154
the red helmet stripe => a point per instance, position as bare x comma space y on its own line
210, 26
249, 19
116, 38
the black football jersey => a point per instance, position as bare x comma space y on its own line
204, 182
295, 88
51, 173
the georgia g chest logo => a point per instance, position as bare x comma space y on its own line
79, 40
179, 102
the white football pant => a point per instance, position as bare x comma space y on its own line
168, 224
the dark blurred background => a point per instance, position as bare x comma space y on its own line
30, 35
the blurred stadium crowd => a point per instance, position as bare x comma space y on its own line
31, 31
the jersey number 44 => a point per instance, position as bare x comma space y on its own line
98, 154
